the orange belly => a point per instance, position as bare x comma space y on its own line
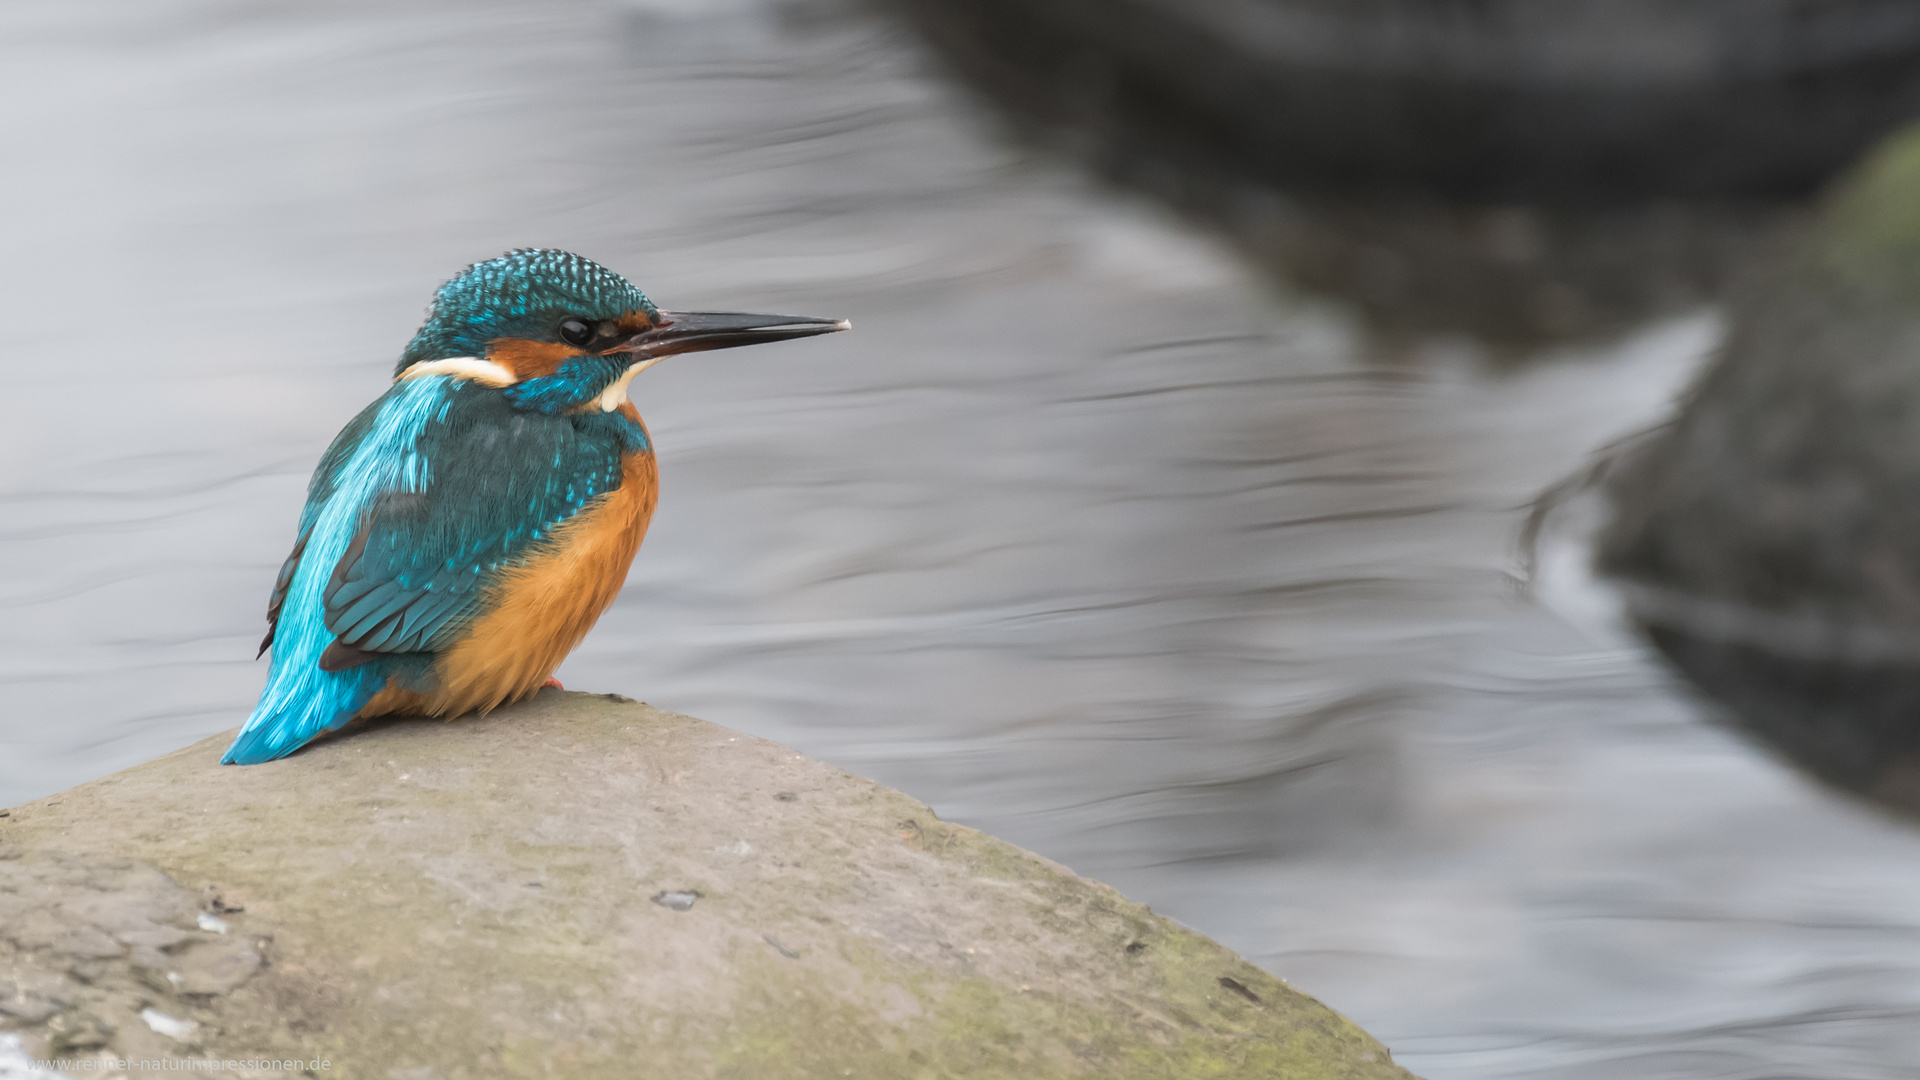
541, 608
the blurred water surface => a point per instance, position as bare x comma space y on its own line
1084, 535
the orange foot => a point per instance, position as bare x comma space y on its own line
553, 682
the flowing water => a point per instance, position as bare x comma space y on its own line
1083, 535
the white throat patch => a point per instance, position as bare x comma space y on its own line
615, 395
471, 368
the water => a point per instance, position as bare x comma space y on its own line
1083, 535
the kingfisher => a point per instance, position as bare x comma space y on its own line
464, 532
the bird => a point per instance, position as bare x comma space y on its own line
463, 533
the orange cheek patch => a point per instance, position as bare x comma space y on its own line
634, 322
529, 359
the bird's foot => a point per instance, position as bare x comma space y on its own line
553, 682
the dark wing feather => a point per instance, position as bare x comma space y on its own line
280, 586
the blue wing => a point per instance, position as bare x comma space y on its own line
418, 570
420, 501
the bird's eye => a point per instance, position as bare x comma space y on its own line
576, 331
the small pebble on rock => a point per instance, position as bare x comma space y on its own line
166, 1025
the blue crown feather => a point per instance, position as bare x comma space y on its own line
519, 295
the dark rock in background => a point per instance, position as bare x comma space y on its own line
1516, 171
1770, 538
1469, 100
1511, 278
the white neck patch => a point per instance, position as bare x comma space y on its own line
471, 368
486, 372
615, 395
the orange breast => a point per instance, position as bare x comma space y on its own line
543, 607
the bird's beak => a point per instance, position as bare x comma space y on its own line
698, 331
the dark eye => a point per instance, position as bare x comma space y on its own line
575, 330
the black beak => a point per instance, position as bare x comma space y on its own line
698, 331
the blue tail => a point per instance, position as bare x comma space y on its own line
295, 708
300, 700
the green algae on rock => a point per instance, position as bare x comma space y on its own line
474, 900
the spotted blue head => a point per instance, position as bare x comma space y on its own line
556, 332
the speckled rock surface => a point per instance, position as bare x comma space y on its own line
584, 886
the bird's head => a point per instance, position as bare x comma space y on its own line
559, 332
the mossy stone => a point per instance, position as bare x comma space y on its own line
476, 900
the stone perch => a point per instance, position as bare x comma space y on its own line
585, 886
